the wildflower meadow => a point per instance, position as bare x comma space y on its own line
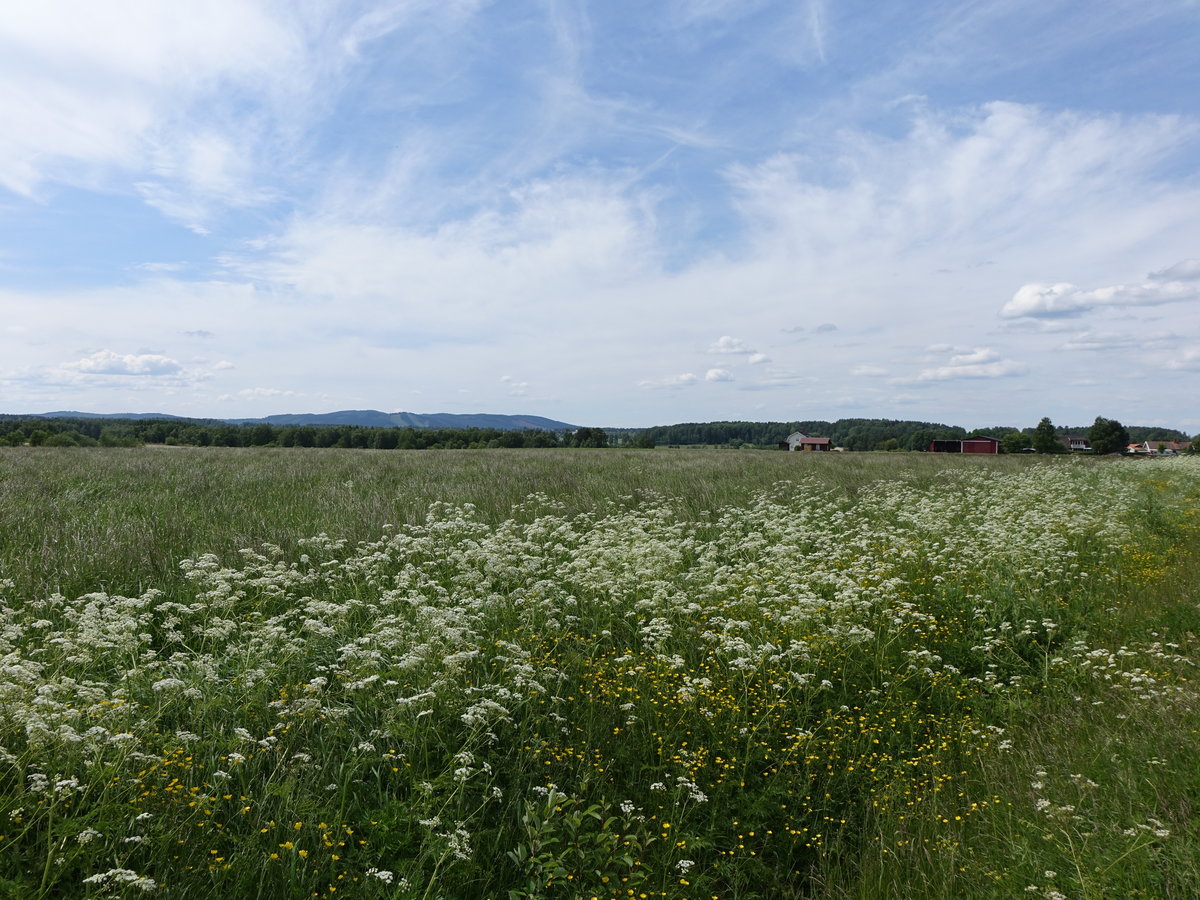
690, 674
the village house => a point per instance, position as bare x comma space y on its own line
1158, 448
801, 441
1076, 443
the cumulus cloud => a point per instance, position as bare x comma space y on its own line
106, 362
718, 375
731, 346
727, 344
1176, 284
982, 362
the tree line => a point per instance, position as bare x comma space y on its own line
89, 432
853, 434
1105, 435
893, 434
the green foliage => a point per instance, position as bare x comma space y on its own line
206, 433
853, 434
570, 850
1108, 436
1014, 442
587, 437
1045, 439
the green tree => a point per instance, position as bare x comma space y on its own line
589, 437
1108, 435
1044, 439
1014, 442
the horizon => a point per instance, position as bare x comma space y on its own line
702, 210
1075, 428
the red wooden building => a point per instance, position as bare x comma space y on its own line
977, 444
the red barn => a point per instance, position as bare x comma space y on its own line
977, 444
981, 444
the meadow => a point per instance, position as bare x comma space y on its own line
671, 674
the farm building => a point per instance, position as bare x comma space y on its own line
801, 441
977, 444
1076, 443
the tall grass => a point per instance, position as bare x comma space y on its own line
646, 674
75, 520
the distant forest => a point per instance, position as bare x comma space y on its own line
859, 434
105, 432
852, 434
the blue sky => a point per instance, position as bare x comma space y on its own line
610, 213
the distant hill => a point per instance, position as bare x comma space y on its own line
371, 418
71, 414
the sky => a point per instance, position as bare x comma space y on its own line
612, 213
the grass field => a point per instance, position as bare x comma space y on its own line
685, 674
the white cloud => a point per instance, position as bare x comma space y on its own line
1064, 299
717, 375
970, 183
757, 359
258, 393
982, 362
84, 86
1187, 361
1098, 340
777, 379
868, 371
515, 388
105, 362
686, 379
727, 344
